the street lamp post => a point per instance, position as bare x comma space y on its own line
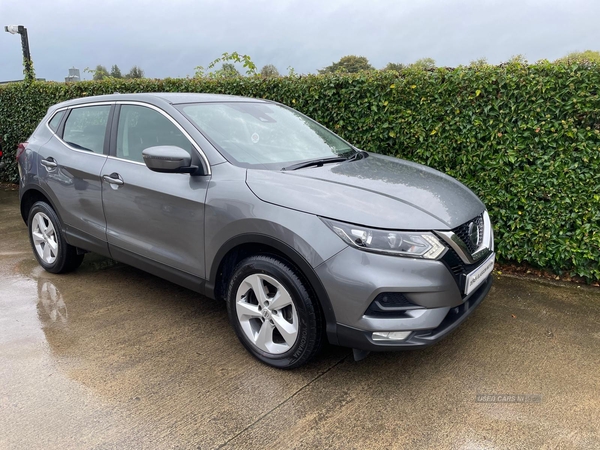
20, 29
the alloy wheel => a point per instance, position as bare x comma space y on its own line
267, 314
45, 240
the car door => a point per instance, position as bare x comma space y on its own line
155, 221
69, 170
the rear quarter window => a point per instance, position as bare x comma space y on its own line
55, 121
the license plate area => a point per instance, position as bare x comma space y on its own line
479, 275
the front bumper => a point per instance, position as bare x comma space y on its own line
360, 339
353, 279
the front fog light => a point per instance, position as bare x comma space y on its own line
390, 335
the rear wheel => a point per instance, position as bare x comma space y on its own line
49, 246
272, 312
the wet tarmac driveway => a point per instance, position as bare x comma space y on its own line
109, 357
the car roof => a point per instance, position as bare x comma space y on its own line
173, 98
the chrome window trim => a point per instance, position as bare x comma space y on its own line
126, 160
131, 162
72, 107
168, 116
83, 105
484, 250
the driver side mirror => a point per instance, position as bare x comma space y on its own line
170, 159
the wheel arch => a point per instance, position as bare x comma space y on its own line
30, 197
241, 246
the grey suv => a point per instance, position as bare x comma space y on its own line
304, 236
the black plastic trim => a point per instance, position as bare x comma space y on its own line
458, 269
107, 130
37, 188
85, 241
171, 274
113, 131
390, 305
61, 126
295, 257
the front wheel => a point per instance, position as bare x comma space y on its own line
49, 246
272, 312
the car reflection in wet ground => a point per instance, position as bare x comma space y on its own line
52, 303
110, 357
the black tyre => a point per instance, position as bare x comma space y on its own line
49, 246
273, 313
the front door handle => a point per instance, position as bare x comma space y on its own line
113, 178
49, 163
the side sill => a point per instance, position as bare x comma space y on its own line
168, 273
85, 241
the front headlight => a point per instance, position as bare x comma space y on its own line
414, 244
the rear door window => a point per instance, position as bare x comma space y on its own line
85, 128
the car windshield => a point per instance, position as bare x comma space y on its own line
264, 134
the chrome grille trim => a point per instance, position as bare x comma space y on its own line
459, 246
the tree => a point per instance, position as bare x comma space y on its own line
115, 72
229, 59
349, 64
269, 71
588, 56
396, 67
423, 64
517, 59
99, 72
480, 62
228, 70
135, 72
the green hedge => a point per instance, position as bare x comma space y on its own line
526, 138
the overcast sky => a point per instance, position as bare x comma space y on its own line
170, 38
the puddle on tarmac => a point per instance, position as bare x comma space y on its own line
51, 305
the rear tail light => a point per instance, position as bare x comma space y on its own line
20, 149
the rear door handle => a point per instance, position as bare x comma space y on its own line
113, 178
49, 163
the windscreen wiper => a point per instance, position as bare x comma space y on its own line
360, 154
315, 162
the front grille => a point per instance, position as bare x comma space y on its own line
462, 231
455, 264
458, 268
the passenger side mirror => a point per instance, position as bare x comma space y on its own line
170, 159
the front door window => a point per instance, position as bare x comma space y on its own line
141, 128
